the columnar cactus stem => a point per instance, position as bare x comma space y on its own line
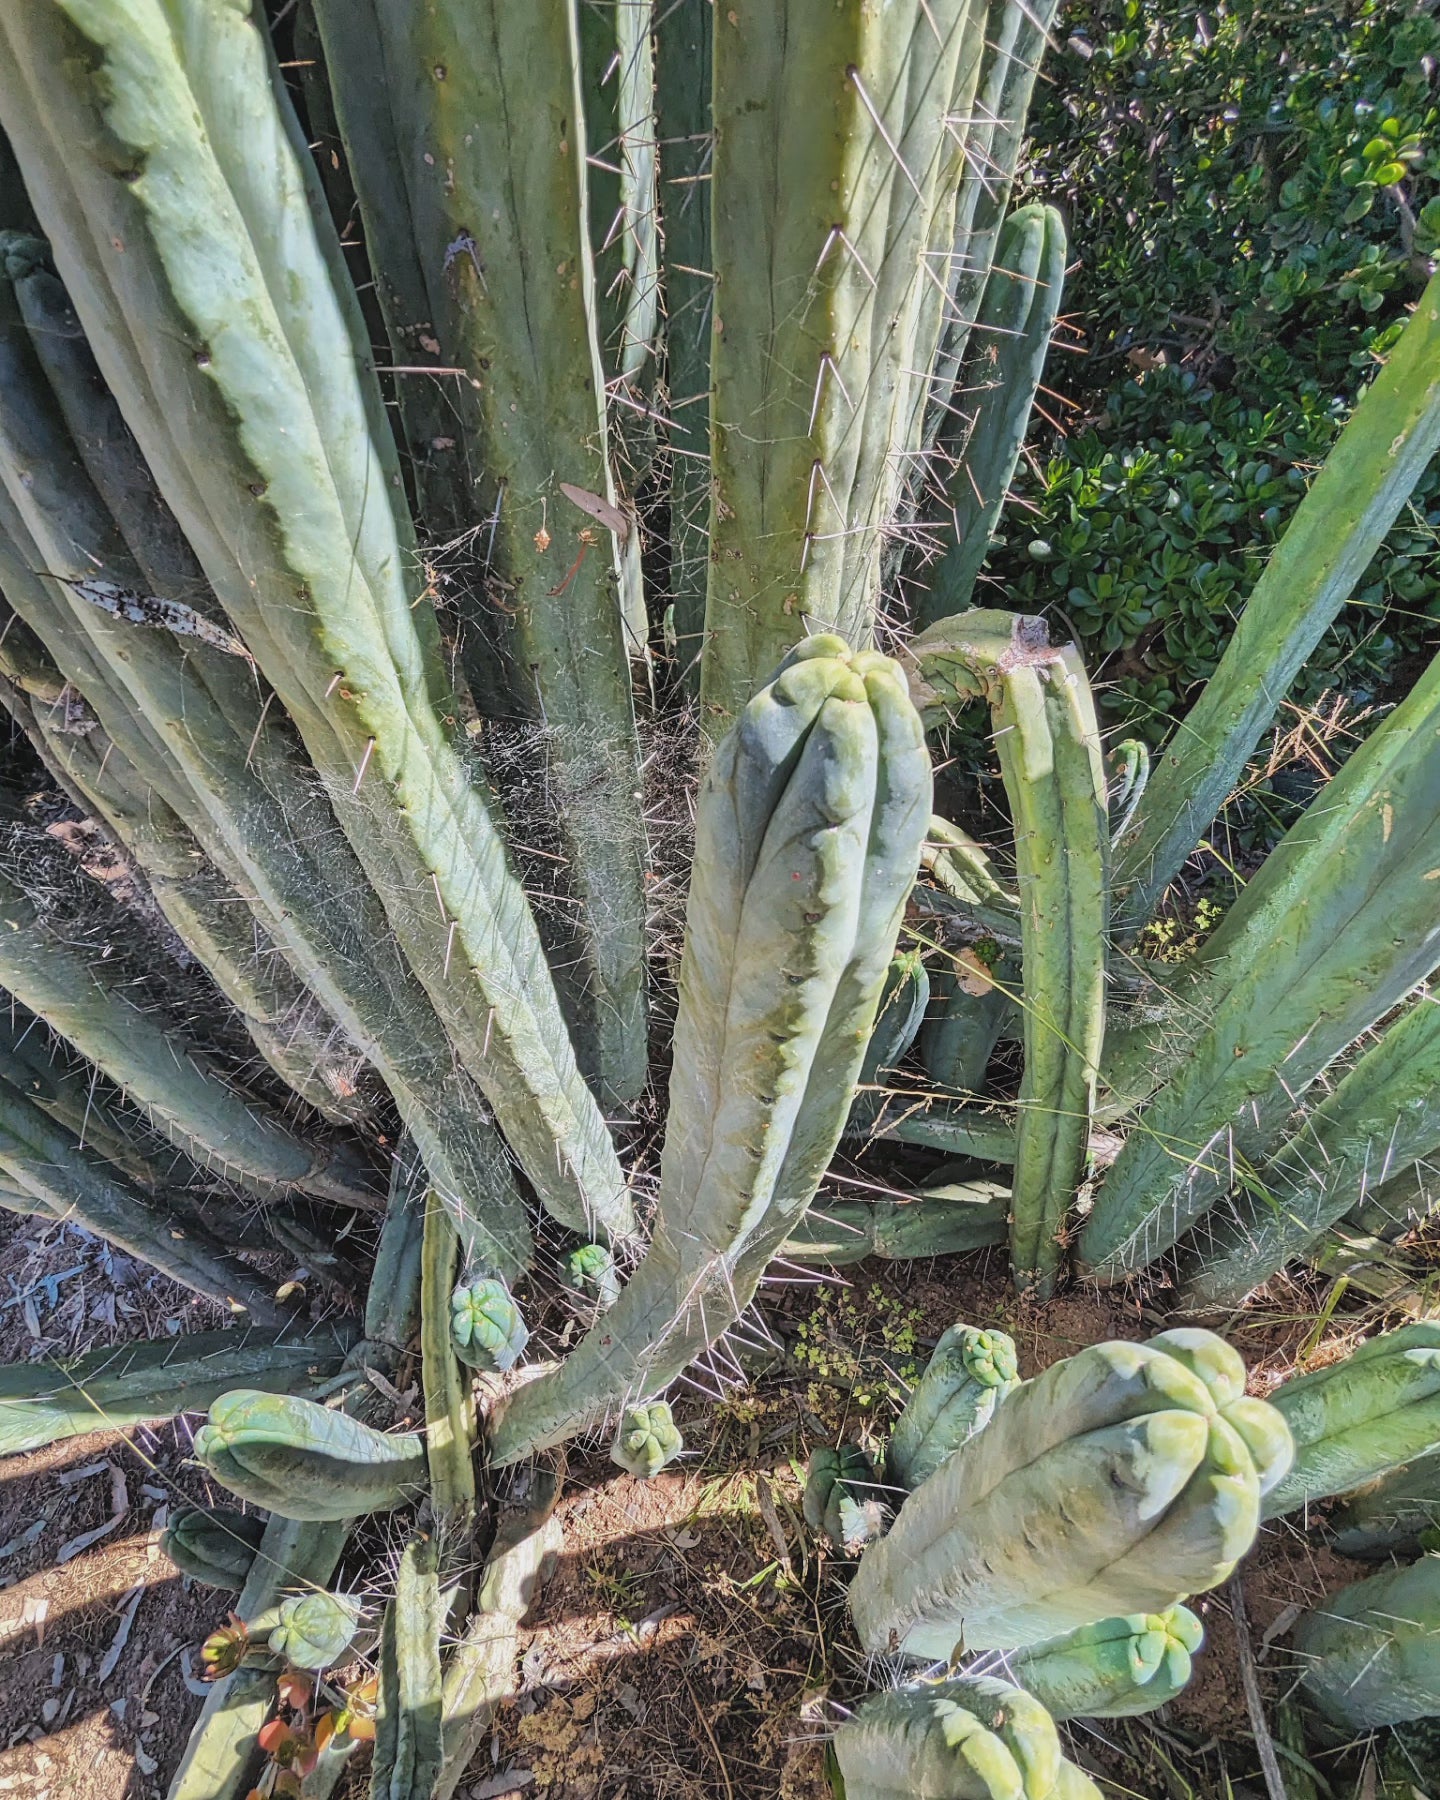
1112, 1670
408, 1742
969, 1738
1351, 504
225, 332
480, 243
449, 1398
968, 1375
835, 178
1371, 1653
1137, 1470
942, 1221
984, 435
1358, 1418
1396, 1515
129, 1384
1335, 928
1383, 1113
808, 833
192, 723
1049, 747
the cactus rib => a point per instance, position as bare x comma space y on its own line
1350, 506
449, 1399
1049, 747
408, 1742
245, 387
969, 1373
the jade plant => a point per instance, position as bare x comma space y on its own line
379, 536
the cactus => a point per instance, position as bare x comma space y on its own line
1113, 1669
261, 397
991, 411
808, 834
902, 1006
450, 1425
215, 1545
469, 226
833, 189
1138, 1470
1049, 748
968, 1375
590, 1270
975, 1000
1358, 1418
221, 1747
1396, 1515
485, 1325
843, 1499
969, 1738
1371, 1653
314, 1630
939, 1221
1384, 1111
408, 1742
304, 1461
44, 1403
646, 1440
1350, 506
1331, 933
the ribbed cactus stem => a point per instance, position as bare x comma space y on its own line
1049, 747
1384, 1112
449, 1398
808, 832
833, 194
408, 1742
1350, 506
479, 239
940, 1221
1396, 1515
1114, 1669
1370, 1654
250, 397
969, 1374
1335, 929
997, 391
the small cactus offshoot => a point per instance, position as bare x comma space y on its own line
485, 1325
315, 1630
647, 1440
843, 1498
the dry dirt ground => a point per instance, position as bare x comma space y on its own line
692, 1644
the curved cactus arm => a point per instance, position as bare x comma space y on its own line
1138, 1469
1385, 1111
1015, 41
1389, 1209
1333, 931
227, 335
221, 1748
969, 1373
214, 1545
824, 326
41, 1158
987, 1133
449, 1396
1049, 747
1371, 1653
808, 831
971, 1737
1114, 1669
1358, 1418
683, 62
983, 436
961, 868
393, 1301
43, 1403
408, 1746
306, 1461
897, 1020
467, 226
943, 1221
1350, 506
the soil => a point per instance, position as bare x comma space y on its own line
692, 1643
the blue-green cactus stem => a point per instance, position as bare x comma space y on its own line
449, 1399
969, 1373
1114, 1669
214, 1545
1370, 1654
408, 1728
808, 833
646, 1440
834, 183
486, 1326
315, 1630
941, 1221
985, 432
1396, 1515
